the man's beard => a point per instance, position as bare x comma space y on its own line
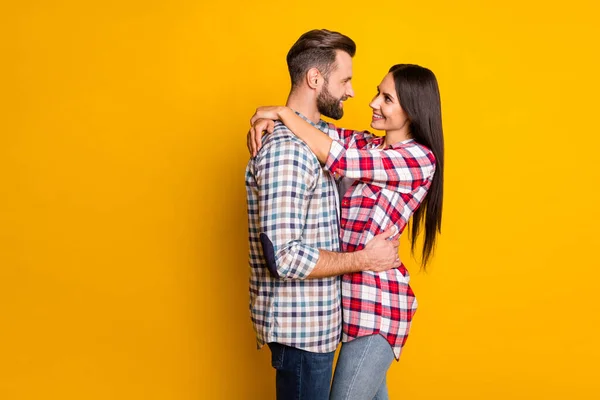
328, 105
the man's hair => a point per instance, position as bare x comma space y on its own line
317, 49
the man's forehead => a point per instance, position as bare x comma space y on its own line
343, 62
343, 58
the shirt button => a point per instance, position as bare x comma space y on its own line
345, 202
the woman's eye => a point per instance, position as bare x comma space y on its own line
388, 100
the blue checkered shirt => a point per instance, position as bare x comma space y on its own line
293, 209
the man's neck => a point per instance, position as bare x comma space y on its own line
299, 103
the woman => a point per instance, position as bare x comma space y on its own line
383, 180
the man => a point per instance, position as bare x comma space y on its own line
294, 227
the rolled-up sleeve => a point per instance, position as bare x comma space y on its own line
286, 175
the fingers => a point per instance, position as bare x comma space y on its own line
261, 126
395, 263
395, 234
389, 264
257, 139
254, 117
387, 233
260, 112
249, 142
390, 232
253, 143
256, 143
255, 134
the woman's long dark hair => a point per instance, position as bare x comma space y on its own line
419, 95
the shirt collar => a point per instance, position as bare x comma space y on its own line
321, 125
378, 141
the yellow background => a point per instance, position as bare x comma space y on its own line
122, 202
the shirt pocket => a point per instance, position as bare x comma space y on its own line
370, 191
362, 206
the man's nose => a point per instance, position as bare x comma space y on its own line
350, 91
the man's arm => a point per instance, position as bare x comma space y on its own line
380, 254
286, 176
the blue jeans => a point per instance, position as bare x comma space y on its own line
301, 375
361, 369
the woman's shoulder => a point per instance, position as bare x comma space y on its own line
413, 148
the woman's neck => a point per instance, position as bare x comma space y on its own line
392, 137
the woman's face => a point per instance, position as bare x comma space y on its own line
388, 115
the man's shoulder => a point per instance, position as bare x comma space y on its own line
283, 143
281, 134
282, 152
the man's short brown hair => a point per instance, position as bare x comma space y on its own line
317, 48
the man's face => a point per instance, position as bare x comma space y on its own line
337, 87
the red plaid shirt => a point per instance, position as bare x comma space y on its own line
390, 185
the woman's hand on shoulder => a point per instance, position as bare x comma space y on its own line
263, 121
269, 112
254, 137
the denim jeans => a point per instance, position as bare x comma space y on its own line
301, 375
361, 369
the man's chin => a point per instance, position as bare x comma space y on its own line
335, 116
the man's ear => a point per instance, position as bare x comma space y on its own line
314, 79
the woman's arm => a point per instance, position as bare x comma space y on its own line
399, 169
263, 122
318, 141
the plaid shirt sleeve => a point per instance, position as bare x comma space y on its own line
286, 175
349, 136
393, 168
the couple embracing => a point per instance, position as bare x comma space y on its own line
326, 207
